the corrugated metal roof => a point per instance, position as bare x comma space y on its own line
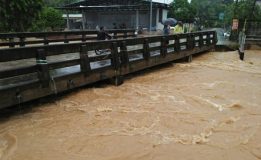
113, 4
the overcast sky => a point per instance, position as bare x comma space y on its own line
165, 1
162, 1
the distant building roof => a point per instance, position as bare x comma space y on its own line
104, 5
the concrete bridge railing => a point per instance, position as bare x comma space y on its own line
43, 77
44, 38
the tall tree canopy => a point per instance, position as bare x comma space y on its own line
208, 11
50, 19
246, 9
182, 10
31, 15
17, 15
58, 3
214, 13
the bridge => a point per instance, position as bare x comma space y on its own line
37, 68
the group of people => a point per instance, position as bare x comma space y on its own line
175, 30
103, 35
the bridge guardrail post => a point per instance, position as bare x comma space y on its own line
215, 37
190, 41
65, 38
115, 56
193, 43
125, 34
22, 41
208, 42
46, 42
85, 62
164, 47
42, 67
146, 50
177, 44
11, 42
83, 37
115, 35
124, 54
118, 79
201, 40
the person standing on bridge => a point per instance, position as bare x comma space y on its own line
102, 35
178, 28
166, 30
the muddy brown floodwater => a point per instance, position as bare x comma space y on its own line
207, 109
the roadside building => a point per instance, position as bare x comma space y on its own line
119, 13
74, 20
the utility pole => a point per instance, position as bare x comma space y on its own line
150, 15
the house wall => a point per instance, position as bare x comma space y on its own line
129, 18
162, 14
107, 19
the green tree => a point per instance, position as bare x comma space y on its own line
181, 10
50, 19
58, 3
18, 15
208, 11
245, 11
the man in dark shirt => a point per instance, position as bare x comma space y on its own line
102, 35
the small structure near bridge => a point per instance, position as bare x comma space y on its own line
117, 14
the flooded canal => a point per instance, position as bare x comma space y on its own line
207, 109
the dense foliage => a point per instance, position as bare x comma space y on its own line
50, 19
58, 3
17, 15
215, 13
31, 15
182, 10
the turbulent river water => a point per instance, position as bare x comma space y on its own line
207, 109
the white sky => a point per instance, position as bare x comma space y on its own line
165, 1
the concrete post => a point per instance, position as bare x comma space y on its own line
68, 20
83, 20
137, 19
150, 15
157, 19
